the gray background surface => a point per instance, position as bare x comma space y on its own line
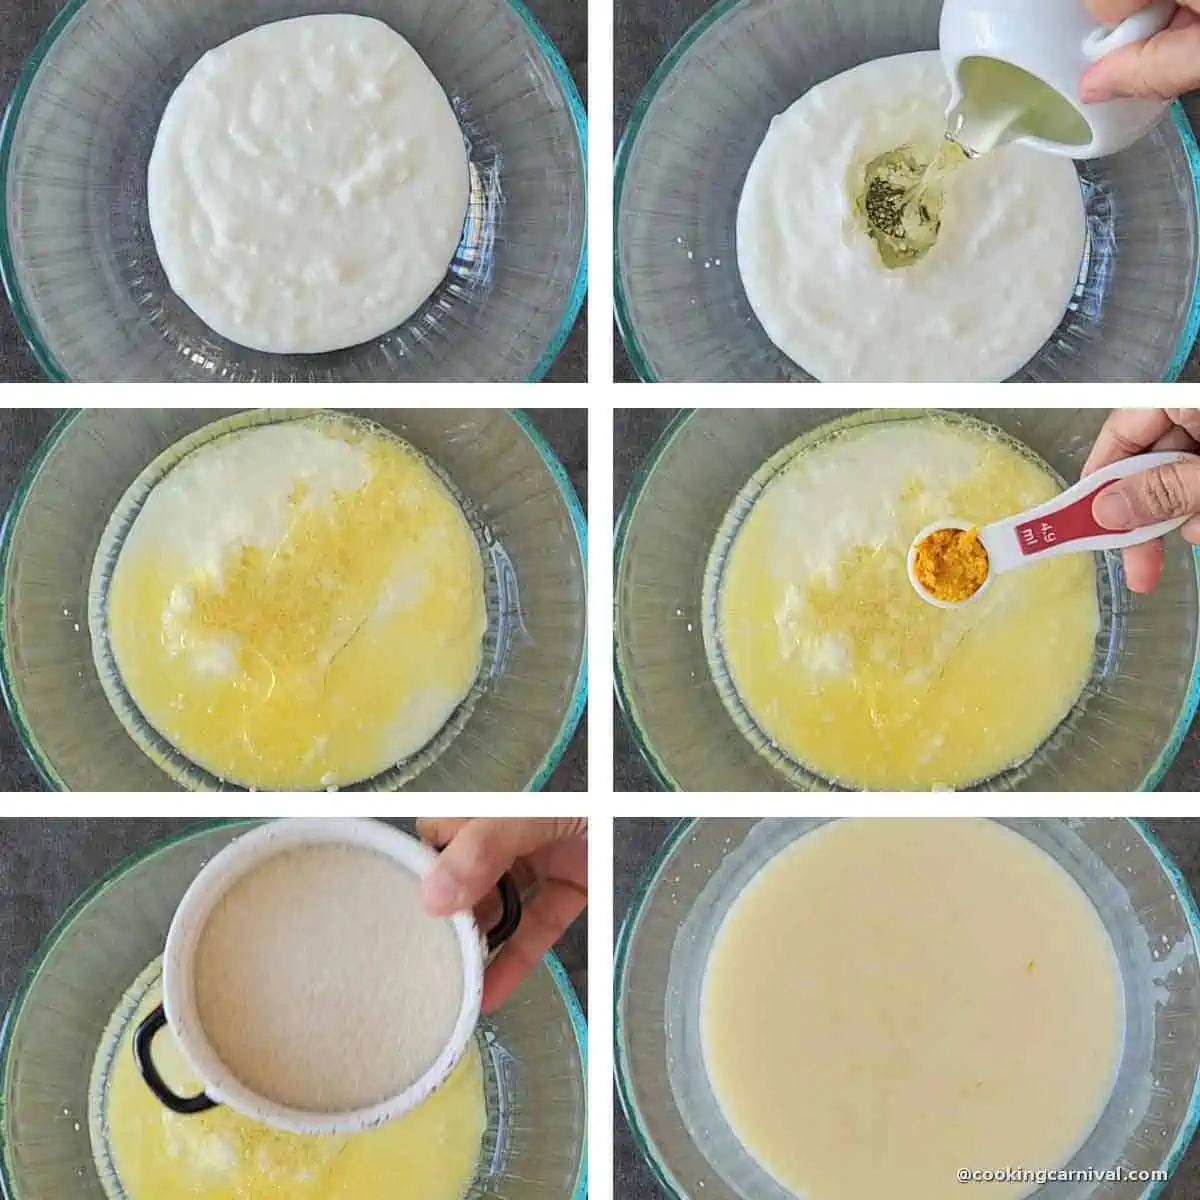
634, 433
22, 430
634, 845
46, 864
643, 32
23, 22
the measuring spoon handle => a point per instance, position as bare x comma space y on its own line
1065, 525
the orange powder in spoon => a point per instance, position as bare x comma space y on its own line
951, 564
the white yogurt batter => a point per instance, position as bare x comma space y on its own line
308, 185
892, 1001
977, 308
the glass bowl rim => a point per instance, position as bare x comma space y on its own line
628, 928
622, 680
572, 713
44, 356
33, 970
633, 128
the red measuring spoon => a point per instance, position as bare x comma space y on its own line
1064, 525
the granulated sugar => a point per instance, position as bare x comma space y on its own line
322, 984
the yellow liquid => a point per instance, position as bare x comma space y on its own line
429, 1154
900, 198
891, 1001
1001, 103
318, 652
839, 661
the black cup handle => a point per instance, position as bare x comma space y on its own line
143, 1039
510, 910
510, 913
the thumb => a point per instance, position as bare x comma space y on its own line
1148, 498
480, 852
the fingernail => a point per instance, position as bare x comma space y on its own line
1113, 510
442, 892
1094, 90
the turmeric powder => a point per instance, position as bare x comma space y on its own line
951, 564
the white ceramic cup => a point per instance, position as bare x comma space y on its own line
1056, 40
178, 1010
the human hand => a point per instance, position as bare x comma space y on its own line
1160, 68
477, 852
1153, 496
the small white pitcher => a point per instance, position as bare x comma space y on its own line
1056, 41
178, 1010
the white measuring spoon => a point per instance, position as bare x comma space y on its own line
1064, 525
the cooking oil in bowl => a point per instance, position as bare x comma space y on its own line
824, 655
856, 179
144, 1152
298, 604
899, 195
67, 1035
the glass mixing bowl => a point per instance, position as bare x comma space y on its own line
680, 304
1121, 736
1137, 889
509, 735
78, 259
534, 1048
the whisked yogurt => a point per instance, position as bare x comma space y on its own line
308, 185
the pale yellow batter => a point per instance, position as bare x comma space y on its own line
429, 1154
299, 605
839, 661
891, 1001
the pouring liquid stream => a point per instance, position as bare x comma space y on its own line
1001, 103
903, 193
